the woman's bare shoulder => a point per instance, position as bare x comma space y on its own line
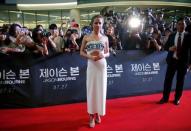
87, 37
105, 37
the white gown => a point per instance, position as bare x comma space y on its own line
96, 81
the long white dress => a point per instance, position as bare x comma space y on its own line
96, 81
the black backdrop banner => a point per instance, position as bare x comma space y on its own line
60, 79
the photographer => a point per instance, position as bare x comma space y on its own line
114, 42
153, 41
160, 21
71, 44
149, 19
41, 41
56, 41
14, 42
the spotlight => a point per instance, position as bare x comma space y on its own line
134, 22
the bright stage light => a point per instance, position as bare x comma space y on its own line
134, 22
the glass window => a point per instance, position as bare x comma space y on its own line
29, 19
16, 17
42, 18
87, 14
65, 18
55, 17
4, 19
84, 18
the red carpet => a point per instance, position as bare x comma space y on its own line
140, 113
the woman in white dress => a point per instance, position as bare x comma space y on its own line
95, 48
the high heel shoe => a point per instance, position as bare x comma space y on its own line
92, 121
98, 119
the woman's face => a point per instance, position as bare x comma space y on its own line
54, 32
110, 31
17, 30
97, 24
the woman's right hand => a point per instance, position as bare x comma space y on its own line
94, 58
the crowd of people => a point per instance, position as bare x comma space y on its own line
38, 42
151, 34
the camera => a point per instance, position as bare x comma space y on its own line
150, 37
23, 31
45, 34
